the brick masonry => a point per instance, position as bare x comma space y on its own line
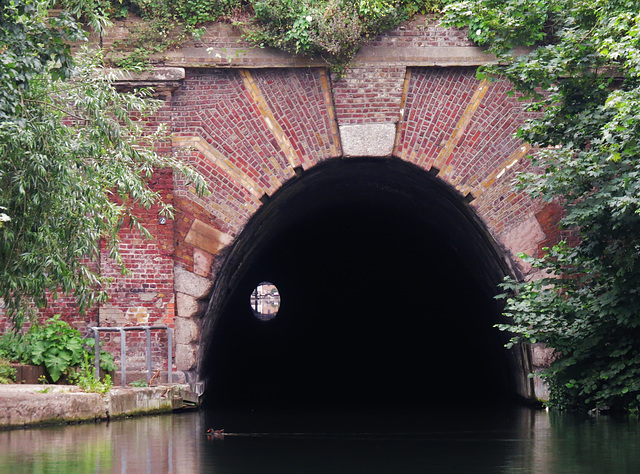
248, 121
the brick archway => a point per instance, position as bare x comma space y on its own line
387, 279
254, 130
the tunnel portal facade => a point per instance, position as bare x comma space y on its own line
380, 204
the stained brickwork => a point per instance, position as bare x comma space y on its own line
297, 100
435, 103
369, 95
423, 31
489, 138
143, 296
501, 207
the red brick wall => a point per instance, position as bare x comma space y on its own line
436, 99
296, 97
369, 95
423, 31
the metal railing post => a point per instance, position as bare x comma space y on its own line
148, 334
96, 353
123, 357
169, 355
123, 349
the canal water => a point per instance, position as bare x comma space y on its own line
366, 441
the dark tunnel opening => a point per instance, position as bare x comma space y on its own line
386, 280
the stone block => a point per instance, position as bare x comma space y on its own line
540, 388
202, 262
373, 139
186, 331
190, 284
187, 306
206, 237
186, 356
542, 356
156, 74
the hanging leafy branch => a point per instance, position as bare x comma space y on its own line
75, 159
583, 74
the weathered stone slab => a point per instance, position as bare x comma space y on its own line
186, 356
157, 74
131, 401
30, 404
372, 139
190, 283
186, 331
187, 306
22, 404
207, 237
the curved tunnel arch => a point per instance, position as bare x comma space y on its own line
387, 280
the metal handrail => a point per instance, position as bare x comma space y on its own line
123, 349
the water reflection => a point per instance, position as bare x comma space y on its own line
155, 444
518, 440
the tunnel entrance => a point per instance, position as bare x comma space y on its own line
386, 281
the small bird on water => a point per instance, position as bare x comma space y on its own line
215, 434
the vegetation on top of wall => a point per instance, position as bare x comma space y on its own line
583, 76
332, 29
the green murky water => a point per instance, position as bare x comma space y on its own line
517, 440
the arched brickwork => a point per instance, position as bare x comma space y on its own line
250, 131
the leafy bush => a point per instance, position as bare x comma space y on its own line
581, 74
7, 373
195, 12
334, 29
85, 378
54, 344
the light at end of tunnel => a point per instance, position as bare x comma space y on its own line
265, 301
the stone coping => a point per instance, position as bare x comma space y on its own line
421, 42
24, 405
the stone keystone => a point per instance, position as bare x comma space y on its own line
372, 139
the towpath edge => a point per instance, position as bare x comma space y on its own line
28, 405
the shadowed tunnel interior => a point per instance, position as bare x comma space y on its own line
386, 280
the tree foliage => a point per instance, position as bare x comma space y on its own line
582, 73
75, 159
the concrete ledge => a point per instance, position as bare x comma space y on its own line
24, 405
